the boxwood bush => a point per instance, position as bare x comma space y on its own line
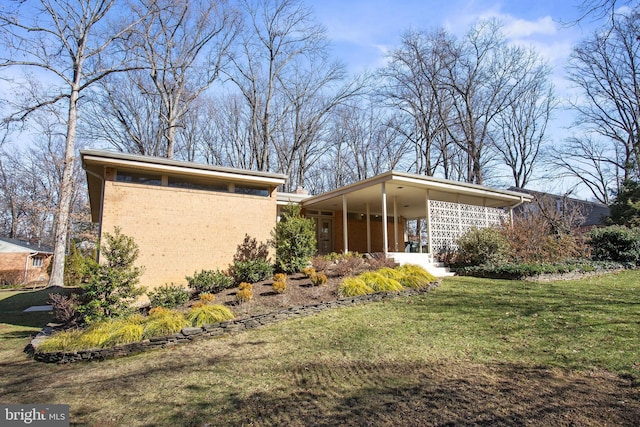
615, 243
210, 281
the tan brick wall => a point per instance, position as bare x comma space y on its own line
12, 267
181, 231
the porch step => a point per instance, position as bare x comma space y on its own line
423, 260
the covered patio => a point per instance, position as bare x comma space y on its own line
352, 218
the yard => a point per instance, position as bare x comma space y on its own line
472, 352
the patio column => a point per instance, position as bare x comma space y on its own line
368, 228
385, 234
395, 223
345, 234
428, 213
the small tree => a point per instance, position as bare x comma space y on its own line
625, 210
112, 286
294, 239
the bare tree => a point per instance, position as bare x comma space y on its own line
521, 127
605, 67
590, 161
74, 44
183, 45
413, 88
279, 34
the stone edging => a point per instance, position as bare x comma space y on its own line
197, 333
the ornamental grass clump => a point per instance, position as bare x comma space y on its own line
207, 314
318, 279
380, 283
415, 276
62, 341
245, 292
163, 322
354, 286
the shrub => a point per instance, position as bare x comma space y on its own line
250, 250
319, 279
169, 296
245, 292
308, 271
65, 309
251, 271
320, 263
295, 240
244, 295
78, 267
354, 286
163, 322
279, 277
482, 246
208, 314
113, 284
210, 281
615, 243
279, 286
347, 265
380, 283
207, 298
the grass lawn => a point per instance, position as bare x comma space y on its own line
472, 352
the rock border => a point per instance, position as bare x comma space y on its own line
190, 334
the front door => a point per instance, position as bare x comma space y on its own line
324, 235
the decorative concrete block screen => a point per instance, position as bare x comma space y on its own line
450, 220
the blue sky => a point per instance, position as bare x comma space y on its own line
362, 31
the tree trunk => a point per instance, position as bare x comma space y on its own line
66, 194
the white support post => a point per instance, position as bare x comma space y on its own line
395, 223
385, 234
428, 212
368, 228
345, 232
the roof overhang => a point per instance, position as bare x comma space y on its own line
94, 163
408, 193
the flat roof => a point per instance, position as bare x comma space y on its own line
94, 162
409, 192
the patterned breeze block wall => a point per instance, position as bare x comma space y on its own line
451, 220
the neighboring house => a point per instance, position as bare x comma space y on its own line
584, 215
186, 216
22, 262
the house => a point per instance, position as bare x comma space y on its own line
22, 262
582, 215
186, 216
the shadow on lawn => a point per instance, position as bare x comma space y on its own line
367, 394
12, 308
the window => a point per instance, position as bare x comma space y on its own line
253, 191
138, 178
180, 182
37, 261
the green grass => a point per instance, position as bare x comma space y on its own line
473, 351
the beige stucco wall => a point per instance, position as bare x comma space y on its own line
181, 231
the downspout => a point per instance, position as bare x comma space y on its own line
26, 266
511, 208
